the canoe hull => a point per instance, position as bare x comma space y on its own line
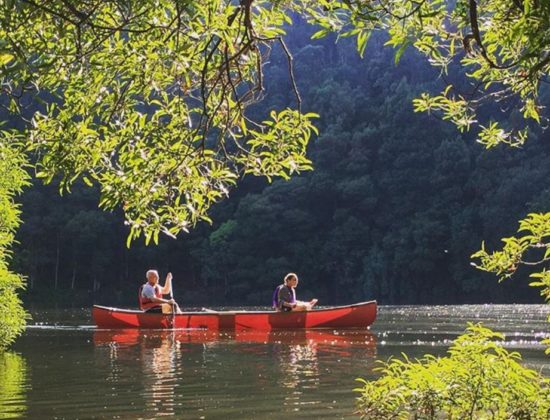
359, 315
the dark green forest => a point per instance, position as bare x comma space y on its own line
396, 204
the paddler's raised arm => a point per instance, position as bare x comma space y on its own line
167, 284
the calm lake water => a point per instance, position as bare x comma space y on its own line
62, 367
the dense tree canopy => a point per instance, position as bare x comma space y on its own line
155, 103
149, 99
396, 205
504, 46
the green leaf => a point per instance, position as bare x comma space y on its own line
401, 50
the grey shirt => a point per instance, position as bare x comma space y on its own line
286, 295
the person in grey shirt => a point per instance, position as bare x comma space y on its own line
286, 296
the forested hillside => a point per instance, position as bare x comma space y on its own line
396, 204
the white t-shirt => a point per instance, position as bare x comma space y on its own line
148, 291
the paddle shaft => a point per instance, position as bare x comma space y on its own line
173, 304
171, 287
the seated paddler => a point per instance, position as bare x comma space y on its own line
284, 297
151, 295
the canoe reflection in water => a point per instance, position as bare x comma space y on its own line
332, 341
184, 358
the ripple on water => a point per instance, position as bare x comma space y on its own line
77, 369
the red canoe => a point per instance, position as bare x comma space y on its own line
359, 315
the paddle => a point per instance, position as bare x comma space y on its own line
172, 297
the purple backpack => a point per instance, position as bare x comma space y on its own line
275, 300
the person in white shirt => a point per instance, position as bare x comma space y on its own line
152, 293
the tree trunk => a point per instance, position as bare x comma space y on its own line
225, 285
73, 279
56, 280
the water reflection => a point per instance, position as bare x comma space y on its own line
299, 365
295, 356
13, 380
158, 367
334, 341
159, 373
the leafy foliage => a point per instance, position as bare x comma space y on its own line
478, 379
148, 100
503, 46
531, 247
12, 179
